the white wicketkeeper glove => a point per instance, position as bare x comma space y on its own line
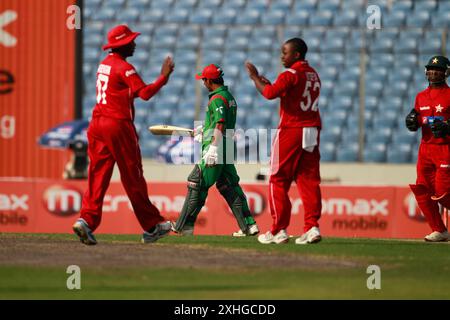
211, 156
198, 134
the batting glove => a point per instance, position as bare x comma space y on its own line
211, 156
411, 121
198, 134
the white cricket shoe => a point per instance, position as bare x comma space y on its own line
82, 230
268, 237
252, 230
310, 236
436, 236
161, 230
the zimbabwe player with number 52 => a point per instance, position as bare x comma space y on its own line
295, 149
113, 139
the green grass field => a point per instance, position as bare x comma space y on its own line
409, 270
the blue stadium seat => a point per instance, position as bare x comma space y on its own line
431, 46
214, 32
428, 5
403, 6
297, 18
305, 5
93, 40
93, 4
375, 153
201, 16
346, 17
141, 5
181, 15
399, 153
282, 5
249, 17
261, 43
374, 87
442, 20
154, 16
347, 152
379, 135
327, 152
225, 17
321, 18
127, 16
161, 4
274, 17
394, 19
185, 4
382, 45
116, 5
103, 14
212, 56
419, 19
238, 43
333, 45
259, 5
211, 4
357, 5
265, 31
235, 4
331, 134
350, 137
406, 46
403, 136
346, 88
331, 5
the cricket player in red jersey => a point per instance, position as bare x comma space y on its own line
295, 150
432, 113
112, 139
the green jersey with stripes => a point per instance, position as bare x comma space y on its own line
222, 108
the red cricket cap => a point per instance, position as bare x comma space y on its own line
119, 36
212, 71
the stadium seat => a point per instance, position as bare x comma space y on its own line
227, 17
442, 20
305, 5
419, 19
274, 17
181, 15
327, 152
251, 17
127, 16
346, 17
347, 152
154, 16
375, 153
403, 6
395, 19
331, 5
399, 153
297, 18
201, 16
321, 18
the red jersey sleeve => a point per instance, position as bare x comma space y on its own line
132, 79
279, 88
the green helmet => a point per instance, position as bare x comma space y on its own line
438, 62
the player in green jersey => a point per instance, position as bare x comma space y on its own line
215, 167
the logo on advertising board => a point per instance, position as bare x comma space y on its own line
352, 213
411, 209
62, 201
12, 207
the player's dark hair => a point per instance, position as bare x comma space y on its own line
299, 46
218, 81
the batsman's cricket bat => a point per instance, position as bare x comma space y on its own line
167, 130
